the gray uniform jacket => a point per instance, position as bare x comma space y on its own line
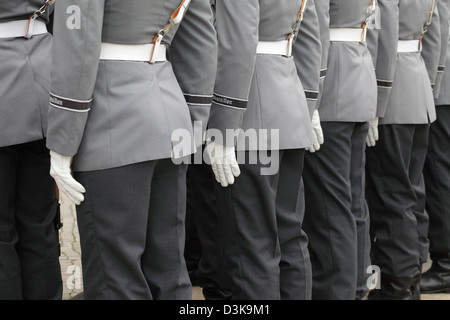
350, 90
444, 92
382, 42
256, 91
113, 113
444, 7
411, 99
307, 52
25, 77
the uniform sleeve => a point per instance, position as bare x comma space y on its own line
237, 23
431, 47
307, 52
386, 51
323, 14
193, 54
443, 6
76, 51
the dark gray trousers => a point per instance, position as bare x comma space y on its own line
336, 216
29, 243
132, 232
260, 219
203, 251
437, 182
396, 198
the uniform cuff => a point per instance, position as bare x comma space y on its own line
70, 104
383, 99
224, 122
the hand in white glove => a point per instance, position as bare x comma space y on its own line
223, 163
60, 171
316, 132
372, 136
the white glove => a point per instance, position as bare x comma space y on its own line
60, 171
316, 132
372, 136
223, 163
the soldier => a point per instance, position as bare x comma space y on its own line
436, 172
382, 42
394, 165
309, 60
336, 216
431, 53
118, 112
29, 242
258, 91
204, 261
306, 68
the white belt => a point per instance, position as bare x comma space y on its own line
348, 34
20, 28
283, 47
138, 52
409, 46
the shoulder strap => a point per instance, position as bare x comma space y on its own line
425, 27
41, 10
175, 18
370, 12
296, 26
299, 20
430, 15
36, 15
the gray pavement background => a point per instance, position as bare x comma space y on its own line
71, 257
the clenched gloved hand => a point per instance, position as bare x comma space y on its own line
372, 136
60, 171
223, 163
316, 132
